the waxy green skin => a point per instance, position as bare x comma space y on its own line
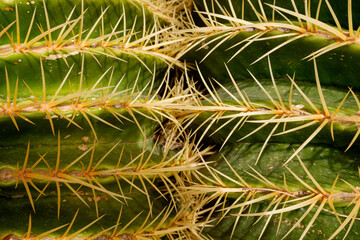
69, 152
86, 75
323, 157
242, 157
343, 131
109, 210
324, 164
340, 8
59, 11
41, 134
250, 228
104, 49
137, 69
74, 141
27, 69
336, 68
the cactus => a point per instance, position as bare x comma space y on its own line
282, 83
166, 120
80, 107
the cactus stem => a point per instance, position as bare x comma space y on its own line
135, 169
313, 197
123, 44
279, 113
56, 105
321, 29
180, 226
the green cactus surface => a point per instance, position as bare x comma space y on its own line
169, 120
